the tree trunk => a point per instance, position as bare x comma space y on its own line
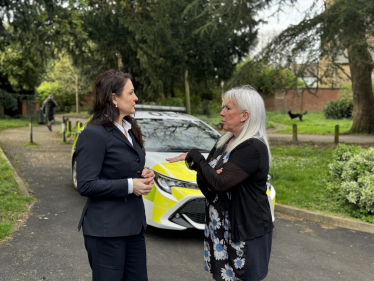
361, 66
187, 88
120, 62
172, 92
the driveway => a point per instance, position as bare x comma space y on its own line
351, 139
49, 247
360, 139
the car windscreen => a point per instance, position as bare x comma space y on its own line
177, 135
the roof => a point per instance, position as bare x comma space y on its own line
342, 57
307, 70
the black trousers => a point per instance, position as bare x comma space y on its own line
117, 258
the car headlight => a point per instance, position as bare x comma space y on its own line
166, 183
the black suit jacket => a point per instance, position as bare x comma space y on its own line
105, 160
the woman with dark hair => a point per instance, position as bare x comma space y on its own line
110, 172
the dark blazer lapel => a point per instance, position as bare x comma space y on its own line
136, 145
118, 134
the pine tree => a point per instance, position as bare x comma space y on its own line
157, 42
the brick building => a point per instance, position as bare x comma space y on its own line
25, 108
301, 100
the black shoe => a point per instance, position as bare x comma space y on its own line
49, 127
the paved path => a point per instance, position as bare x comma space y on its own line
323, 138
301, 137
49, 246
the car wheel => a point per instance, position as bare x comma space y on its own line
75, 183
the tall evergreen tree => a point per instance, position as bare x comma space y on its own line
169, 45
157, 42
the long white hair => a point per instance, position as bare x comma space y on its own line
247, 99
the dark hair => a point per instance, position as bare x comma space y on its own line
104, 112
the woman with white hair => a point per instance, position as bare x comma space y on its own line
238, 230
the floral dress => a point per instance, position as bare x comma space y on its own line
222, 257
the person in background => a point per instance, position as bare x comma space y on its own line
48, 109
111, 174
238, 229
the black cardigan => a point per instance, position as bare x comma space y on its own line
245, 175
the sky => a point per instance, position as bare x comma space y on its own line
275, 24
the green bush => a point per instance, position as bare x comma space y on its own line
205, 107
358, 180
351, 180
338, 109
341, 155
173, 102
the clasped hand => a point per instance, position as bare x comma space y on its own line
143, 186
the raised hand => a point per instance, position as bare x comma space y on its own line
181, 157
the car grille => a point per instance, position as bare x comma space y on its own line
194, 209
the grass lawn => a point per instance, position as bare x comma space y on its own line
82, 114
211, 120
313, 123
12, 203
15, 123
297, 174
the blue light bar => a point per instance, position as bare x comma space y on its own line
160, 108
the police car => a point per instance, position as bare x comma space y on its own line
175, 201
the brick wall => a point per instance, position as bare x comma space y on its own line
269, 102
301, 101
30, 109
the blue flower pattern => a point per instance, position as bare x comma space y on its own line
223, 258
